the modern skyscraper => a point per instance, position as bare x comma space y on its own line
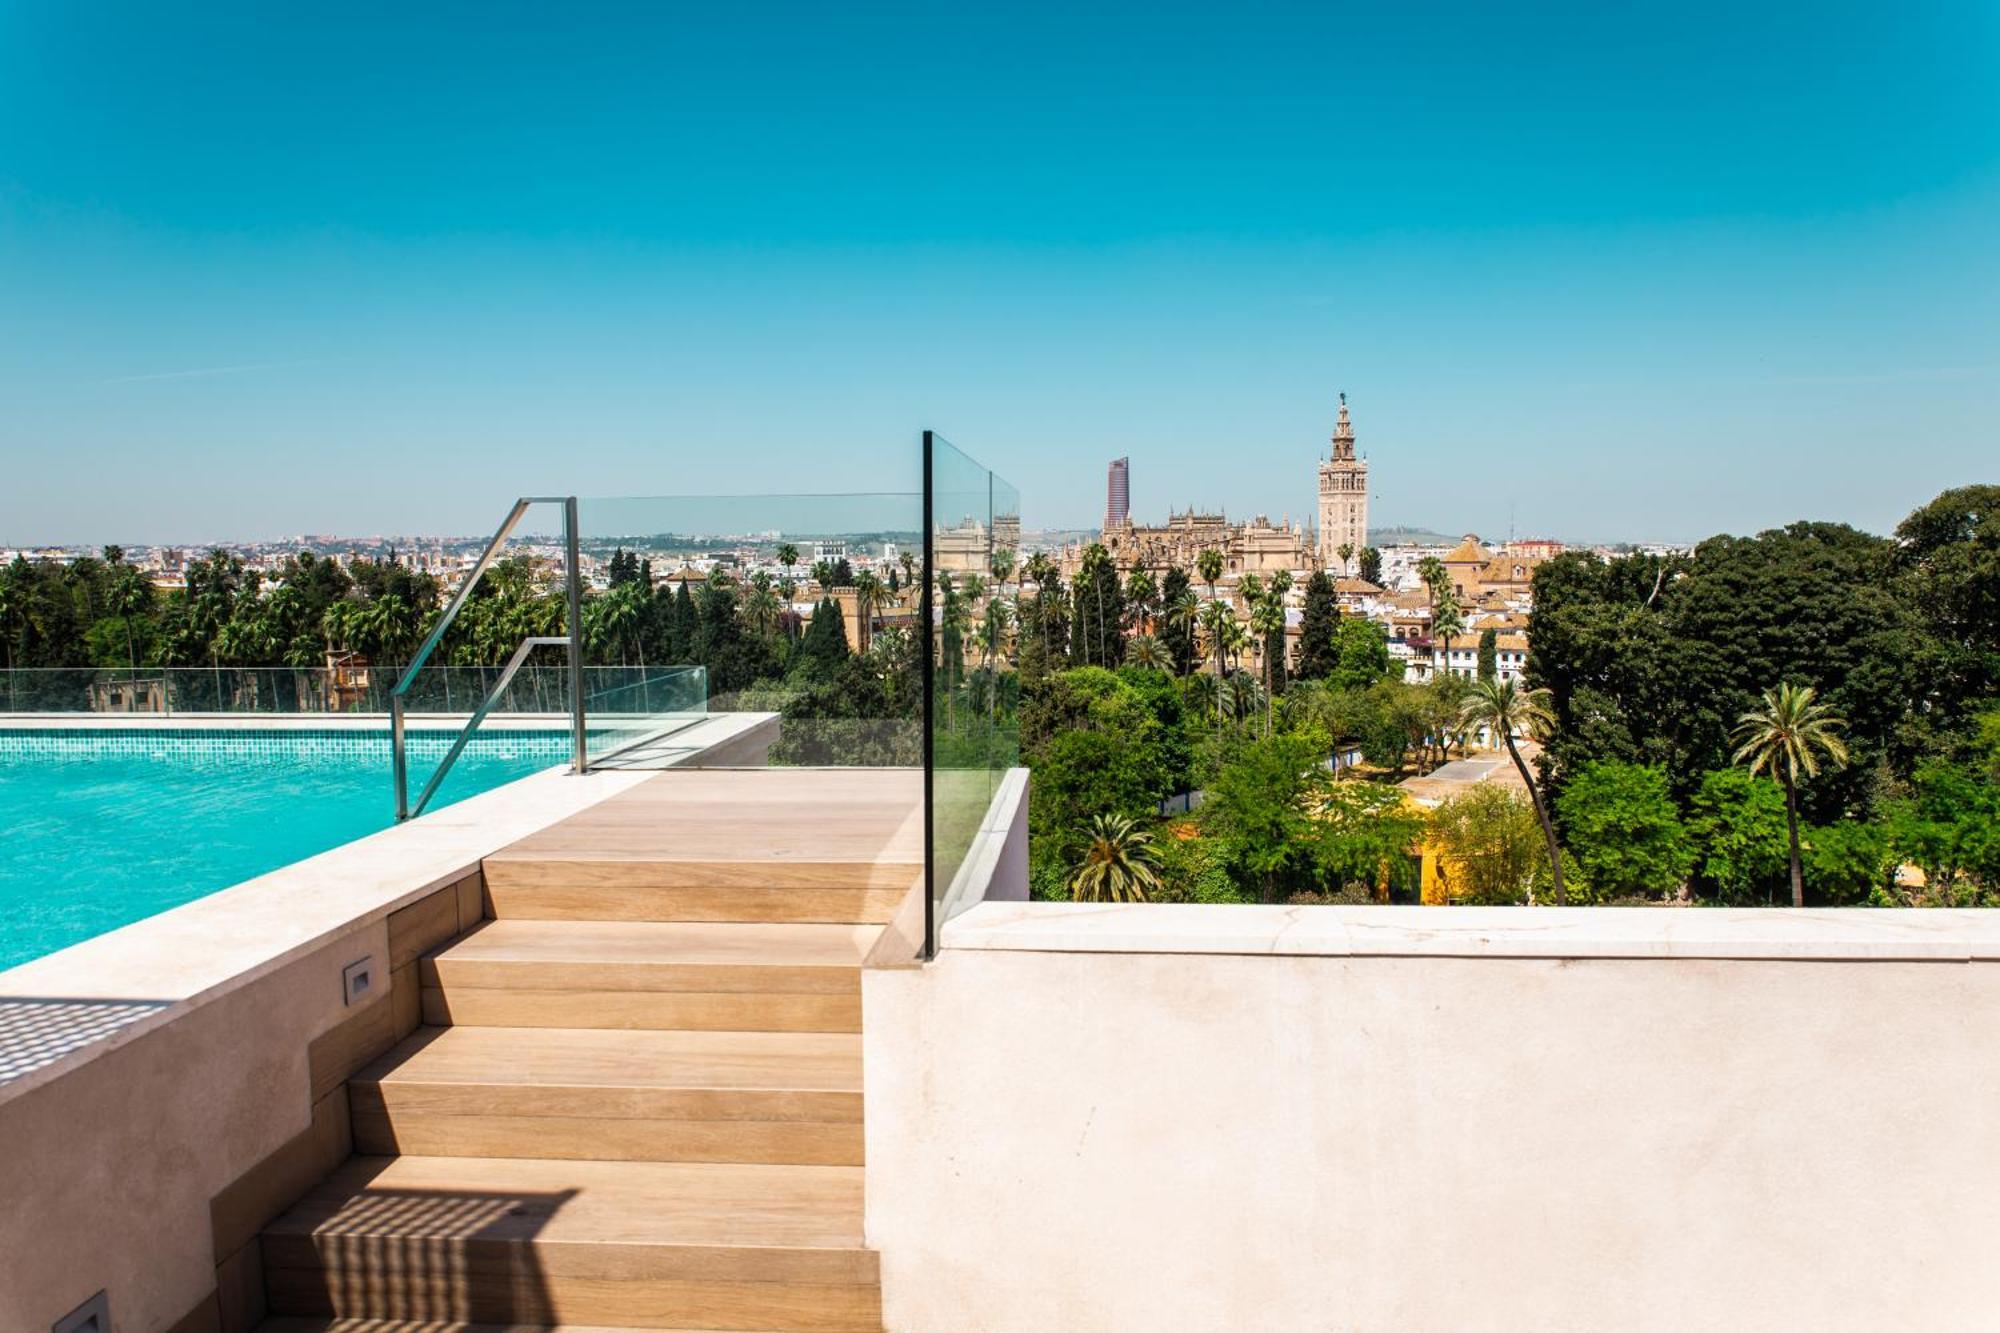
1343, 498
1118, 493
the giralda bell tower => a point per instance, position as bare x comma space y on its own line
1343, 498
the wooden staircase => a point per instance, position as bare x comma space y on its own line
637, 1102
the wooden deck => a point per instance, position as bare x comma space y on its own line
637, 1102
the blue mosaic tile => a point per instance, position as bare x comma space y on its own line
58, 745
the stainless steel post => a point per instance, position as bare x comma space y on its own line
397, 760
580, 756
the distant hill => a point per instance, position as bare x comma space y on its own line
1411, 536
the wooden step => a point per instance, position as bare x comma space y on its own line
729, 976
716, 845
586, 888
615, 1095
640, 1244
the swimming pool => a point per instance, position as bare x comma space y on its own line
101, 828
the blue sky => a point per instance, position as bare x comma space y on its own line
1633, 270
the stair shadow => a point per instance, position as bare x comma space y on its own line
444, 1255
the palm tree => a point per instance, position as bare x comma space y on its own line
386, 622
1281, 583
1787, 734
1240, 696
599, 635
13, 607
953, 621
1183, 612
1217, 620
208, 613
1235, 639
246, 638
1140, 594
1447, 623
1267, 619
996, 632
868, 595
1209, 565
341, 624
1119, 863
1002, 565
822, 574
1434, 575
1093, 572
130, 595
761, 606
620, 618
1346, 553
1044, 572
788, 556
909, 563
1148, 652
1504, 708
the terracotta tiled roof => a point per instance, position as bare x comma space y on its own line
1468, 551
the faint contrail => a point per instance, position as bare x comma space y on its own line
1911, 375
205, 371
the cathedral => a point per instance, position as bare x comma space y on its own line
1343, 496
1257, 547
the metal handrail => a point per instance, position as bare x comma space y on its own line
579, 758
528, 645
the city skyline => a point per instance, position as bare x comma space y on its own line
1675, 277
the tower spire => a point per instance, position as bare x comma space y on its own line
1343, 498
1343, 433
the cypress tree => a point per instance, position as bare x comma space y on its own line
838, 649
824, 647
1317, 653
1489, 655
811, 648
683, 624
1177, 638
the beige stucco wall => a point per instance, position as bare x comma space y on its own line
108, 1169
1067, 1138
109, 1157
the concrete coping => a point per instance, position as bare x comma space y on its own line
976, 873
1940, 935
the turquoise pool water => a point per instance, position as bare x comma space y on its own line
98, 829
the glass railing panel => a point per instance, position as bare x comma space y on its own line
539, 688
631, 712
800, 611
80, 690
450, 743
971, 737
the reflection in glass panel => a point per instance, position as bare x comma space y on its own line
800, 609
